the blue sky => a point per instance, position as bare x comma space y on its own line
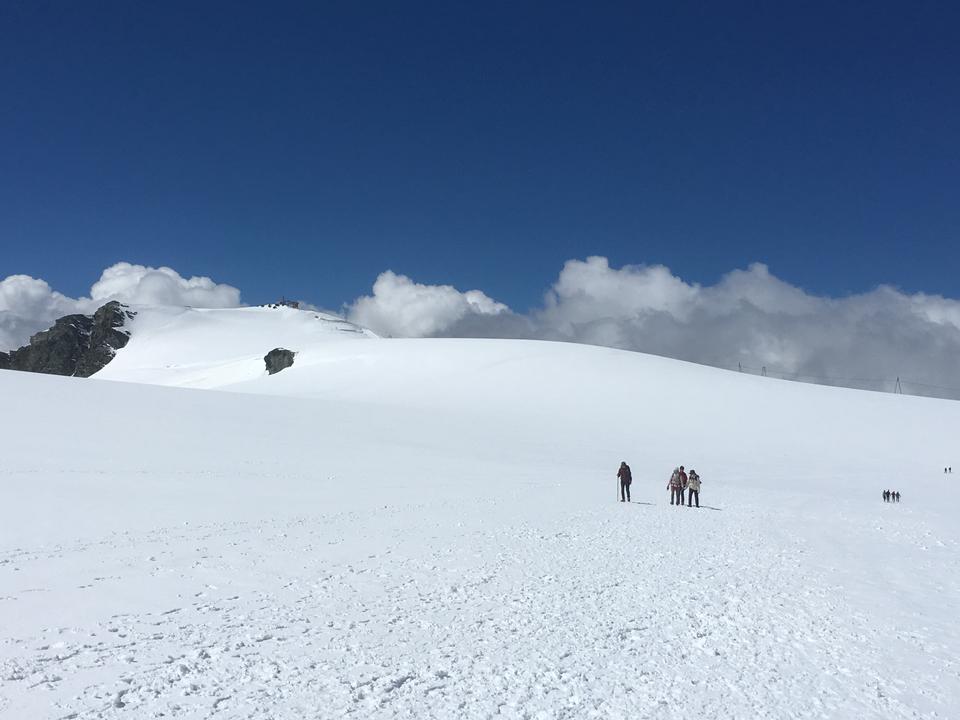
305, 148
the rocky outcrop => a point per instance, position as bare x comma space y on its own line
108, 336
278, 359
77, 345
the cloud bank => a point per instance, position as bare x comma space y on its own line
750, 318
28, 305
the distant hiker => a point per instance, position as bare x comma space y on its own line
678, 481
693, 488
897, 494
673, 483
625, 479
886, 496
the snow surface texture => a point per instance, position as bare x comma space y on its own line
428, 528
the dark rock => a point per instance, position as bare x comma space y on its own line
106, 337
4, 361
78, 345
278, 359
56, 351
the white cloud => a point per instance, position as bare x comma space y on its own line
404, 308
137, 284
748, 317
28, 305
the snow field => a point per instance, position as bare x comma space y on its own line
606, 611
399, 529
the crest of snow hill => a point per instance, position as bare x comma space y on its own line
82, 345
77, 345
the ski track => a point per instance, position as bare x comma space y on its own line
610, 611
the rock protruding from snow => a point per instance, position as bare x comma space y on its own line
278, 359
77, 345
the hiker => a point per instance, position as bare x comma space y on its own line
886, 496
678, 481
673, 483
897, 494
625, 479
693, 488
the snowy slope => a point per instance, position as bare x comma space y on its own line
427, 528
195, 347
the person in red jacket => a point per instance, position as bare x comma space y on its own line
625, 479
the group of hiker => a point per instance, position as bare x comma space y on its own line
680, 482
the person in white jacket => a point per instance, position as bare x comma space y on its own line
693, 488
